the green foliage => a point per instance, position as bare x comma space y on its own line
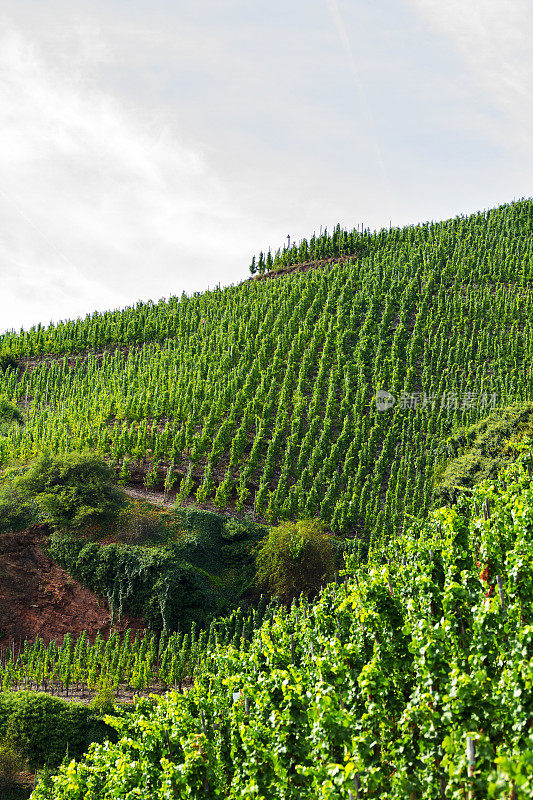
224, 546
155, 583
200, 548
198, 520
171, 586
68, 491
17, 511
262, 397
296, 558
9, 412
143, 523
480, 451
338, 244
104, 700
41, 729
373, 691
147, 661
11, 763
235, 529
44, 778
7, 361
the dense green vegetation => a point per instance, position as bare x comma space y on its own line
7, 361
297, 558
10, 413
42, 729
71, 490
155, 583
171, 567
182, 566
356, 394
411, 680
481, 450
261, 396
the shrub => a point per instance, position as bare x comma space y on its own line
153, 582
10, 413
198, 520
16, 511
104, 700
237, 530
169, 585
40, 728
296, 558
142, 523
71, 490
7, 361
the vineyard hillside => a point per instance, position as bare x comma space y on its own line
373, 385
260, 398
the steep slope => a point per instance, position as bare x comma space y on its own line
40, 599
262, 396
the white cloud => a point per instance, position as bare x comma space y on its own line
494, 40
100, 203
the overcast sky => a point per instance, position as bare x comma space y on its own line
150, 148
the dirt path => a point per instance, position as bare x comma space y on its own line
155, 498
303, 266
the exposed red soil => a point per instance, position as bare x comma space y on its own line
39, 598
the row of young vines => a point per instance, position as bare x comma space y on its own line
144, 663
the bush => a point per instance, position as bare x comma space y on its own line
142, 523
17, 512
40, 728
7, 361
9, 412
104, 700
170, 585
153, 582
198, 520
296, 558
236, 530
69, 491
